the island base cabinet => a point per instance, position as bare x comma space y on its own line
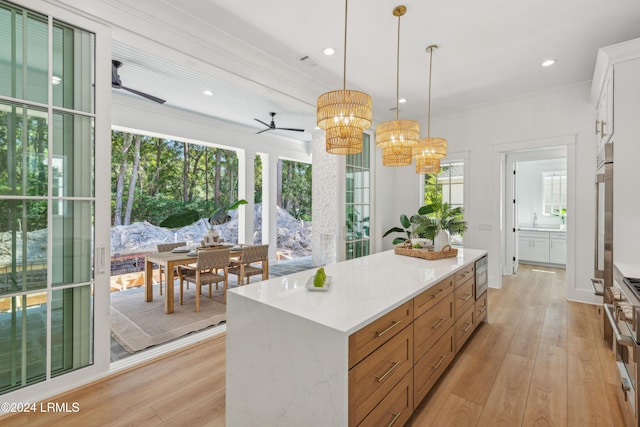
428, 369
396, 408
375, 376
481, 308
464, 328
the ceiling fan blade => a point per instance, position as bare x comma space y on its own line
264, 130
260, 121
294, 130
145, 95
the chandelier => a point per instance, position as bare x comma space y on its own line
344, 114
396, 138
430, 150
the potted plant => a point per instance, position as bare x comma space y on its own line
562, 213
436, 222
407, 226
189, 216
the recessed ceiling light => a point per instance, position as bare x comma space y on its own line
208, 93
402, 100
328, 51
548, 62
56, 80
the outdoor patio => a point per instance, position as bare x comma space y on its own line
136, 293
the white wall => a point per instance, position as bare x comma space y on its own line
521, 123
529, 190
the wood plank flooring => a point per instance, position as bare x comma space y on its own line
539, 361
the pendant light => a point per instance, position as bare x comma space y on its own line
396, 138
344, 114
430, 150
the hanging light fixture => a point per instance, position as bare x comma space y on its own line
430, 150
397, 137
344, 114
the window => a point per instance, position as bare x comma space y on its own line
554, 192
447, 186
358, 188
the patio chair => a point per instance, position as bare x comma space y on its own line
167, 247
243, 267
204, 272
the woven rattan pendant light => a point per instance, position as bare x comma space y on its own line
344, 114
430, 150
396, 138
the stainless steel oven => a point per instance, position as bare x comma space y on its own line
623, 315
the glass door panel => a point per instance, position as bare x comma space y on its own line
357, 199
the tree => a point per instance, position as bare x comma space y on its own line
132, 182
126, 139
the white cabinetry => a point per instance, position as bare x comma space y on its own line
533, 246
604, 113
618, 70
542, 247
558, 248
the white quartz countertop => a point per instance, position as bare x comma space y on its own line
628, 270
543, 228
361, 290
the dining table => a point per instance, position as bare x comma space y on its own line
170, 260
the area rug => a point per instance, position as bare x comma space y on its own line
137, 324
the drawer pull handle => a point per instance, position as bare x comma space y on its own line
437, 325
386, 374
467, 327
442, 359
466, 297
437, 293
393, 325
483, 309
395, 418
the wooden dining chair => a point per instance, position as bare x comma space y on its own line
205, 272
246, 266
167, 247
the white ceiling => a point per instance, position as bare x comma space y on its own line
489, 50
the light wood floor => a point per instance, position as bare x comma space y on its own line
540, 360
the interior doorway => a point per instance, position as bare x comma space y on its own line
509, 151
536, 214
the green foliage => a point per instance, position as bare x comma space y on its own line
430, 219
561, 213
296, 188
189, 216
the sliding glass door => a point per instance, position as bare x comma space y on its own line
47, 197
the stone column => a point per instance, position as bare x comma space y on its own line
324, 236
246, 190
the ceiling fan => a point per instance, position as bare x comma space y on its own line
117, 84
272, 125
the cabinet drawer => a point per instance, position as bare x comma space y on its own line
432, 296
428, 328
372, 336
463, 328
558, 235
464, 274
396, 408
481, 308
463, 297
429, 368
371, 379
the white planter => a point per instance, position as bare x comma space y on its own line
442, 239
210, 237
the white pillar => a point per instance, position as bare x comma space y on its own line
269, 206
324, 236
246, 190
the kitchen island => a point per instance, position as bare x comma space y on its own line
303, 357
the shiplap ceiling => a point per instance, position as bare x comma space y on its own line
489, 50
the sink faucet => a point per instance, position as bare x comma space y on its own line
535, 219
